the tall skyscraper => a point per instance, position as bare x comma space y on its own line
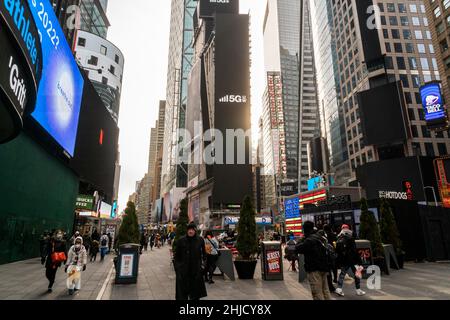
374, 50
219, 100
290, 104
328, 88
437, 13
174, 175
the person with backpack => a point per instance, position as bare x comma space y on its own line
332, 238
289, 252
104, 240
347, 259
212, 255
314, 247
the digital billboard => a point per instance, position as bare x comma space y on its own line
96, 143
60, 91
293, 217
433, 105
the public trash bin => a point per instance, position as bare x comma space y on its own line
271, 261
127, 264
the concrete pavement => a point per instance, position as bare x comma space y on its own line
26, 280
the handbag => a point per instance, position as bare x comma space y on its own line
58, 257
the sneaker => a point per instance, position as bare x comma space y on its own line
49, 290
71, 292
210, 281
339, 292
359, 292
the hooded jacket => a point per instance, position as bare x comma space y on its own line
77, 257
347, 254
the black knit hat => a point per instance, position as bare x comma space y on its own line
192, 225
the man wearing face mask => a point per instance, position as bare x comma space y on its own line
55, 256
189, 257
76, 263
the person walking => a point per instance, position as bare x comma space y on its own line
56, 255
95, 236
290, 252
87, 241
212, 255
104, 240
158, 241
347, 258
44, 240
313, 247
152, 241
75, 235
76, 263
93, 250
142, 241
110, 242
332, 238
188, 260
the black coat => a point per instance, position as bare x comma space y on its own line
188, 261
54, 246
313, 247
347, 256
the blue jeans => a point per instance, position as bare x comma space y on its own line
103, 252
344, 271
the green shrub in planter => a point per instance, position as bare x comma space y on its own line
182, 223
247, 241
369, 230
129, 229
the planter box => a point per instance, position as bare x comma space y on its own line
245, 269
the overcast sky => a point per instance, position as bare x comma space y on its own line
141, 31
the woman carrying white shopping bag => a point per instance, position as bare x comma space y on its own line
76, 263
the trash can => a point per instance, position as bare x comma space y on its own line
127, 264
271, 261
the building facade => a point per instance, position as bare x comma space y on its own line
290, 109
174, 174
438, 17
390, 44
104, 63
328, 87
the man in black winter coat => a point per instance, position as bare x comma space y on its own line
313, 247
189, 259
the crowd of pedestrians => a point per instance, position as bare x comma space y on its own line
57, 250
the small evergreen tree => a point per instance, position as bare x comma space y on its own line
129, 229
247, 242
388, 227
182, 223
369, 229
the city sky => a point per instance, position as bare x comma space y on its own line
141, 31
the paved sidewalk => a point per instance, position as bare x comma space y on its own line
157, 281
25, 280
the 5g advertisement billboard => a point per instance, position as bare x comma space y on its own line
61, 88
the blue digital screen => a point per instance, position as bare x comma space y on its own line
313, 183
60, 92
292, 208
432, 103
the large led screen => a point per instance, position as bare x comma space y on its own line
61, 88
433, 104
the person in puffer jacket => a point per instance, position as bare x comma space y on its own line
76, 263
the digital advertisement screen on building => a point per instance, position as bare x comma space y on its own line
433, 105
61, 88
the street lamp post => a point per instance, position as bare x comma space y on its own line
434, 194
